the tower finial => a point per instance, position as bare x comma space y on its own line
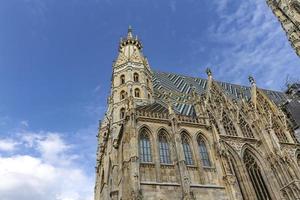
129, 33
251, 80
208, 72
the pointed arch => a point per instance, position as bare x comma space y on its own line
164, 147
145, 145
257, 179
186, 145
228, 125
238, 170
203, 151
245, 128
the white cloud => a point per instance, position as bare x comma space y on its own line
248, 39
8, 145
48, 172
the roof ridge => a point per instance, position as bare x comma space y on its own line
234, 84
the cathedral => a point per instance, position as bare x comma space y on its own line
288, 14
168, 136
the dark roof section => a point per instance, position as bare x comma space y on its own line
180, 87
156, 107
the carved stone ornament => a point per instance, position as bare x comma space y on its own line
230, 179
136, 195
237, 145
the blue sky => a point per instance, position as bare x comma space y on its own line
55, 70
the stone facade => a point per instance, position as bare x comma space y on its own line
288, 13
166, 136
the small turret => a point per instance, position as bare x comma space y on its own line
253, 91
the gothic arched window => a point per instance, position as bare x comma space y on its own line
188, 155
256, 177
137, 92
164, 150
203, 152
122, 95
228, 126
122, 79
136, 77
246, 130
145, 146
122, 113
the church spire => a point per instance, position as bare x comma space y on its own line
130, 40
129, 34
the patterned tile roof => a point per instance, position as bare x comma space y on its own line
179, 87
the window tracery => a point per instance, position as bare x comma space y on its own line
256, 177
228, 126
188, 155
145, 147
279, 133
164, 150
246, 130
203, 153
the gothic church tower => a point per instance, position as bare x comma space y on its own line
288, 13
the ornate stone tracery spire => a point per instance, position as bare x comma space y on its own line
253, 91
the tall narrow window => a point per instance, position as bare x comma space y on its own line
122, 113
137, 92
164, 150
203, 153
247, 132
136, 77
122, 95
122, 79
298, 159
228, 126
187, 150
256, 177
145, 147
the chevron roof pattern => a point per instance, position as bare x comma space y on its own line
178, 88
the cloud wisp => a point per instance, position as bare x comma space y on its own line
248, 40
